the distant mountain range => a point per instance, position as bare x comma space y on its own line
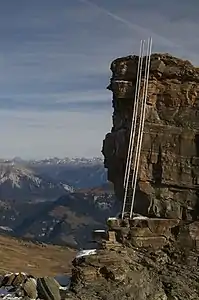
67, 221
48, 179
78, 172
55, 200
17, 182
58, 161
69, 161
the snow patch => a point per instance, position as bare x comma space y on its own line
86, 253
6, 228
140, 218
68, 188
11, 297
63, 288
121, 81
112, 218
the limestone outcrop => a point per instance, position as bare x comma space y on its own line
168, 181
158, 261
153, 255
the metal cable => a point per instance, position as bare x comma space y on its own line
141, 123
135, 108
133, 124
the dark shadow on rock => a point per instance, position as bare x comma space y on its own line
142, 203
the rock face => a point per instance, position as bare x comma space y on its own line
139, 272
154, 255
148, 233
168, 180
135, 275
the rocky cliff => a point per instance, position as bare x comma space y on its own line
168, 179
153, 259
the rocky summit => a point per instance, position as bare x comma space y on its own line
169, 165
154, 255
139, 259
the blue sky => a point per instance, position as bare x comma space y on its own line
54, 66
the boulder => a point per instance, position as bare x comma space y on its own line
48, 288
30, 288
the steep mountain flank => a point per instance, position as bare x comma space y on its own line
66, 221
169, 166
20, 183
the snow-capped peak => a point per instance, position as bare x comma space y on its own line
15, 174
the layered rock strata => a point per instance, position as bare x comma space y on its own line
129, 270
147, 233
168, 181
152, 257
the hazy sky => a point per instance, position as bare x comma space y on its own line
54, 66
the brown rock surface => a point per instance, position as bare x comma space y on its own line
168, 180
161, 264
130, 273
153, 258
